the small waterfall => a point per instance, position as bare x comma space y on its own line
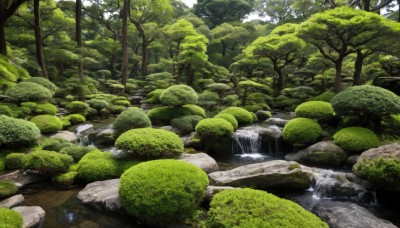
323, 185
82, 132
247, 143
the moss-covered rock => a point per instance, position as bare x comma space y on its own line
154, 96
15, 160
186, 124
356, 139
241, 115
7, 188
228, 117
77, 107
314, 110
143, 191
55, 144
45, 108
47, 123
77, 152
43, 82
17, 132
76, 118
98, 104
10, 218
214, 127
178, 95
29, 91
47, 162
163, 115
96, 166
301, 131
130, 119
149, 143
325, 96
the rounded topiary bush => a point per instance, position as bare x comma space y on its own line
17, 132
228, 117
15, 160
178, 95
77, 107
96, 166
45, 108
241, 115
130, 119
75, 118
301, 131
47, 162
43, 82
214, 127
149, 143
356, 139
162, 191
98, 104
154, 96
255, 208
29, 91
163, 115
47, 123
10, 218
55, 144
314, 110
7, 188
186, 124
77, 152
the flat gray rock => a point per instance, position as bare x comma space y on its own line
201, 160
32, 215
102, 195
12, 201
345, 215
67, 135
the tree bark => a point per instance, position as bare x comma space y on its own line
78, 31
358, 64
124, 67
145, 45
338, 75
38, 39
223, 48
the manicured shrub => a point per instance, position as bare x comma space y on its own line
15, 160
301, 131
241, 115
154, 96
45, 108
214, 127
314, 110
326, 96
77, 152
55, 144
149, 143
130, 119
43, 82
255, 208
47, 162
98, 104
17, 132
10, 218
77, 107
163, 115
356, 139
178, 95
29, 91
96, 166
47, 123
228, 117
7, 188
162, 191
186, 124
76, 118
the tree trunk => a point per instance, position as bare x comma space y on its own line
358, 64
398, 5
367, 5
124, 67
38, 39
190, 75
3, 44
280, 84
338, 76
144, 57
223, 48
244, 97
78, 31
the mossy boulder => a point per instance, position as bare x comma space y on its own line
47, 162
96, 166
356, 139
15, 160
76, 118
255, 208
7, 188
154, 96
301, 131
149, 143
78, 107
314, 110
10, 218
47, 123
228, 117
143, 191
43, 82
186, 124
98, 104
130, 119
55, 144
241, 115
214, 127
178, 95
77, 152
17, 132
163, 115
29, 91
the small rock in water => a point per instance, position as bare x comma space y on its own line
12, 201
277, 121
32, 215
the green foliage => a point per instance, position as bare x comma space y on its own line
97, 166
7, 188
149, 143
214, 127
314, 110
66, 178
130, 119
75, 118
301, 131
98, 104
384, 172
43, 82
241, 115
208, 99
255, 208
126, 164
12, 110
76, 152
116, 109
178, 95
47, 123
47, 162
154, 96
2, 163
124, 103
162, 191
228, 117
55, 144
45, 108
326, 96
186, 124
17, 132
356, 139
77, 107
29, 91
163, 115
10, 218
15, 160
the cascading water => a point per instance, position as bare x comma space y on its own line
82, 132
247, 143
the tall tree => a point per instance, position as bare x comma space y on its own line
78, 32
124, 65
38, 39
7, 9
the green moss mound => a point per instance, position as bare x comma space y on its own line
55, 144
163, 115
43, 82
228, 117
7, 188
45, 108
186, 124
29, 91
98, 104
356, 139
15, 160
326, 96
17, 132
214, 127
130, 119
149, 143
314, 110
255, 208
178, 95
77, 152
10, 218
241, 115
76, 118
154, 96
47, 123
301, 131
13, 110
162, 191
96, 166
47, 162
78, 107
